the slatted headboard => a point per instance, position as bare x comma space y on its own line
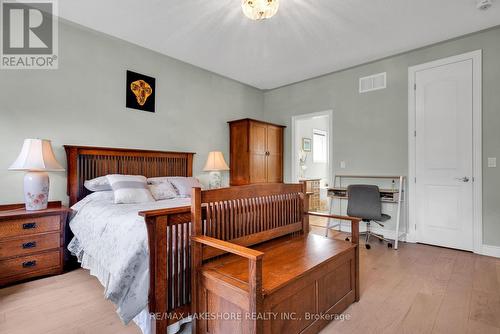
85, 163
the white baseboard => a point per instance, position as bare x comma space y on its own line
487, 250
490, 250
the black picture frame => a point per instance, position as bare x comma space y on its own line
140, 92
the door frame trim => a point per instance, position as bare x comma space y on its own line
295, 118
476, 57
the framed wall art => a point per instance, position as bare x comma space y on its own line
141, 91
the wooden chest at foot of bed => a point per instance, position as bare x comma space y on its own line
31, 242
308, 281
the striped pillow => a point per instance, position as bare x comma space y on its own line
128, 189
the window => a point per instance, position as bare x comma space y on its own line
320, 146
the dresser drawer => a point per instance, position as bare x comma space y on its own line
25, 264
19, 227
29, 244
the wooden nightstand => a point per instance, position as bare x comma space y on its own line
31, 242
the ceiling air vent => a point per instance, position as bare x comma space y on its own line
373, 82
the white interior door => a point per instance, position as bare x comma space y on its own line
444, 155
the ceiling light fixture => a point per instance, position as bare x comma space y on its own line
259, 9
484, 4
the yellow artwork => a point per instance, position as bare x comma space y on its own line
142, 90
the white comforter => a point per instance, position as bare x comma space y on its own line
111, 240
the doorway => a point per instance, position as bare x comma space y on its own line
445, 152
312, 154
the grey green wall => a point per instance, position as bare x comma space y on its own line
83, 102
370, 130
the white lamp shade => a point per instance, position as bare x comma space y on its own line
215, 162
36, 155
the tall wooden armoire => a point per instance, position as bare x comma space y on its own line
256, 152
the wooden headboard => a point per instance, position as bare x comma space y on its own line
86, 163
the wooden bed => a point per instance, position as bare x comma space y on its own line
280, 211
168, 229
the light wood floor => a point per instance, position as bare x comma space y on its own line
417, 289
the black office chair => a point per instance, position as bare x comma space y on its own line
364, 202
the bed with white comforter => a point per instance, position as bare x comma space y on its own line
111, 241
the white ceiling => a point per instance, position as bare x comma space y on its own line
307, 38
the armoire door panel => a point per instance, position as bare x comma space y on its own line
274, 139
258, 168
274, 154
274, 169
258, 134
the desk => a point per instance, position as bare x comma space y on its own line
394, 196
312, 186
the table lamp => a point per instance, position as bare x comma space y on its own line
215, 164
37, 158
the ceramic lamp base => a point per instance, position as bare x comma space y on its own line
215, 180
36, 190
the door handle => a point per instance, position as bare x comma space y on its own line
463, 179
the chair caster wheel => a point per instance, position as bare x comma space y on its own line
389, 245
346, 239
368, 246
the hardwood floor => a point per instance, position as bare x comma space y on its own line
423, 289
417, 289
69, 303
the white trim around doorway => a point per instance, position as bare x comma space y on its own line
476, 57
329, 113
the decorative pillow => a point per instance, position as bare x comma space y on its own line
182, 184
161, 179
98, 184
128, 189
163, 191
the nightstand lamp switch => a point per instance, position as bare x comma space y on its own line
492, 162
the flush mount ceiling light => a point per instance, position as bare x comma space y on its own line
259, 9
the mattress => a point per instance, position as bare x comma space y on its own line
110, 240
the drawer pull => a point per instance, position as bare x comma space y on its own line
29, 226
29, 264
31, 244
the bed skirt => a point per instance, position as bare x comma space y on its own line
143, 319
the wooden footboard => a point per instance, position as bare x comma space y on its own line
169, 233
168, 229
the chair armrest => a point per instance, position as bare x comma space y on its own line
326, 215
229, 247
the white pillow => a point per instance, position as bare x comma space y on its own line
98, 184
162, 191
128, 189
160, 179
100, 196
182, 184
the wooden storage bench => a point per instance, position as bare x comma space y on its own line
290, 281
